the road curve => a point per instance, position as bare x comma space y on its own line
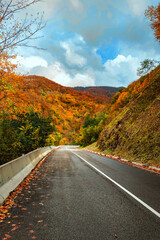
67, 199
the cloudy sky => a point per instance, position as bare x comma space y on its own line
91, 42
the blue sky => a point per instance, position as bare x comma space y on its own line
91, 43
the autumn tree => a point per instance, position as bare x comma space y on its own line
153, 14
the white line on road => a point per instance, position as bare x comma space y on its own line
117, 184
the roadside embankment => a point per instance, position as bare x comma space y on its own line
94, 149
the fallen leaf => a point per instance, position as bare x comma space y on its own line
13, 229
7, 235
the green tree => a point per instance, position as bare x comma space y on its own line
32, 129
8, 136
146, 66
24, 133
91, 129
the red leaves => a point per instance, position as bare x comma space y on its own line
153, 14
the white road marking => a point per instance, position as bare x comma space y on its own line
121, 187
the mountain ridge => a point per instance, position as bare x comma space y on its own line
101, 91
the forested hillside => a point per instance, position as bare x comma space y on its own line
36, 112
103, 92
133, 123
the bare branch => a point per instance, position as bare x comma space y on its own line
14, 31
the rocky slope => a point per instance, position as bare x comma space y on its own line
133, 127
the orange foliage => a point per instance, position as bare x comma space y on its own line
130, 92
153, 13
67, 107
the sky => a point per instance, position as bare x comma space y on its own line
91, 42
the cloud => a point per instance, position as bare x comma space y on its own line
76, 5
91, 42
71, 56
59, 74
136, 6
53, 7
122, 70
25, 64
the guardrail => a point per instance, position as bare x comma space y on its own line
13, 172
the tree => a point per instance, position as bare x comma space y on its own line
14, 30
91, 129
146, 66
32, 129
8, 137
23, 133
153, 13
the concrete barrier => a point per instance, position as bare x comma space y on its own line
13, 172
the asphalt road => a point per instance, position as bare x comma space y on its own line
67, 199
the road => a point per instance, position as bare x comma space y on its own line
68, 199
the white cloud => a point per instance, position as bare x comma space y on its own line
117, 72
52, 7
76, 5
30, 62
58, 74
122, 70
137, 6
71, 56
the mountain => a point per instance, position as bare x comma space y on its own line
66, 106
133, 124
103, 92
127, 125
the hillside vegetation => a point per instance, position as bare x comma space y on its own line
103, 92
133, 124
35, 112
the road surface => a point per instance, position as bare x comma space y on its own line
69, 199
